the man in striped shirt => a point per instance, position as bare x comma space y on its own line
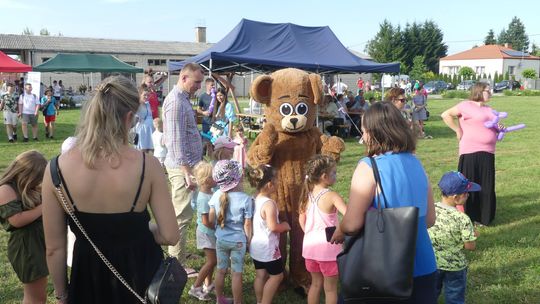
184, 148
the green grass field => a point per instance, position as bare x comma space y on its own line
505, 268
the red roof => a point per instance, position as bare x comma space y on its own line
488, 52
7, 64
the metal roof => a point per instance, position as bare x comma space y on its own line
97, 45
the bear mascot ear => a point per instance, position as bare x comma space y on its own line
316, 87
261, 89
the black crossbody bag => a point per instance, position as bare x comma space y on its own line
378, 262
167, 283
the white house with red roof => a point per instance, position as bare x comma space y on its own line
488, 59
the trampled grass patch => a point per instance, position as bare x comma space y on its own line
505, 268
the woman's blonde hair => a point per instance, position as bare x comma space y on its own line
102, 129
25, 174
202, 172
477, 91
314, 169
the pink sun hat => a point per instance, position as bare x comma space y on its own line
227, 174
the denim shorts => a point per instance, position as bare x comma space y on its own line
233, 251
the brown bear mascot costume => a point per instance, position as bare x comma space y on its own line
288, 139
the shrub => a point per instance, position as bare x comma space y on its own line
456, 94
521, 93
376, 94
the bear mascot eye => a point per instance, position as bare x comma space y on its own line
285, 109
302, 108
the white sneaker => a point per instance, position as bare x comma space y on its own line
208, 289
198, 293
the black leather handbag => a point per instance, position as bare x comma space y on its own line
167, 283
378, 263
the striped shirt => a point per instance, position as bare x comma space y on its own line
180, 133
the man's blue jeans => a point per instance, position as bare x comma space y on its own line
454, 283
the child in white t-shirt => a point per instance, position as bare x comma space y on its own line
160, 150
264, 247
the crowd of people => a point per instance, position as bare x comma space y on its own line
21, 104
110, 182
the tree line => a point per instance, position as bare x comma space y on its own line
419, 46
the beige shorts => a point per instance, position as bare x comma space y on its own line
10, 118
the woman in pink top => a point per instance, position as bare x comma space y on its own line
476, 150
318, 211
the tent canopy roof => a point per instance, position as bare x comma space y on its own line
10, 65
86, 63
259, 46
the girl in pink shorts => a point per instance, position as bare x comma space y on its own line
319, 220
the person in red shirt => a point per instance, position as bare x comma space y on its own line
360, 84
148, 79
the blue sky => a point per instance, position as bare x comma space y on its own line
463, 22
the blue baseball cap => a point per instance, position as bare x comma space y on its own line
454, 182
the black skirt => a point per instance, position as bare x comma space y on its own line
479, 167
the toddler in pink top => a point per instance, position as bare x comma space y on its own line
318, 216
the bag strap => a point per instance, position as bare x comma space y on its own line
378, 182
58, 186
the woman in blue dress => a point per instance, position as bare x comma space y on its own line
145, 123
224, 116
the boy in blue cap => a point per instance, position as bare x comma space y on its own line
452, 233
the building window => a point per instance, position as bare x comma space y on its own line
175, 60
453, 69
511, 69
157, 62
43, 59
480, 70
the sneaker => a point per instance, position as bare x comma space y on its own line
198, 293
36, 139
208, 289
11, 140
46, 134
25, 139
51, 137
14, 136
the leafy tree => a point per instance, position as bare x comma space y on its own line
434, 48
386, 46
417, 39
490, 38
507, 76
515, 35
496, 77
466, 72
529, 73
27, 31
418, 69
44, 32
428, 76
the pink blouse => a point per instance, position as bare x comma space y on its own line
476, 137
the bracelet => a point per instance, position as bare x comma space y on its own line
61, 297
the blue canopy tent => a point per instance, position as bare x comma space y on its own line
264, 47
